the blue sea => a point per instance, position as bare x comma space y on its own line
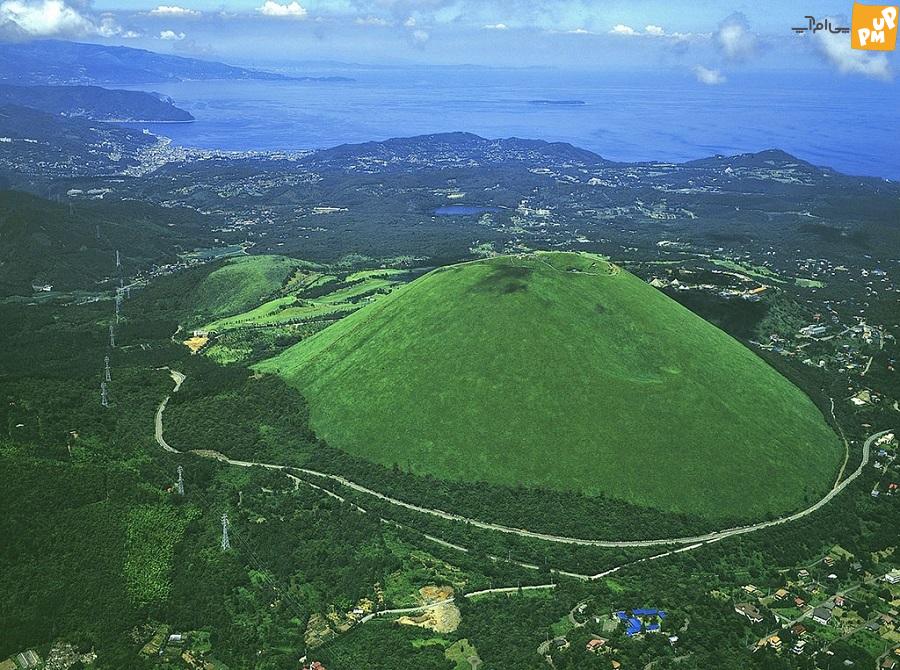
842, 122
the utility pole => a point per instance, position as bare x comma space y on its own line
106, 375
104, 397
226, 545
181, 486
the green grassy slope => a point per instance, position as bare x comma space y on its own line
519, 370
240, 284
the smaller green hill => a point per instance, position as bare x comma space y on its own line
564, 372
240, 284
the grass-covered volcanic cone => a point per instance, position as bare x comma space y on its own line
563, 371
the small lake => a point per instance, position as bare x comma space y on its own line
464, 210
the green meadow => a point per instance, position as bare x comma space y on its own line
563, 371
240, 284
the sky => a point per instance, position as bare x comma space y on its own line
712, 41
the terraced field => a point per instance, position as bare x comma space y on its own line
263, 300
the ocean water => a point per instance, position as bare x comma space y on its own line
842, 122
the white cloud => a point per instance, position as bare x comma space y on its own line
173, 10
410, 22
709, 76
651, 30
837, 51
580, 31
496, 26
45, 18
371, 21
735, 39
622, 29
171, 36
420, 36
684, 37
107, 27
131, 35
272, 8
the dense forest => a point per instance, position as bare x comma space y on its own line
102, 552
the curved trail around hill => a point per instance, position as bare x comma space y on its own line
712, 536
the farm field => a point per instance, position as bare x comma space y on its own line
270, 302
562, 371
294, 307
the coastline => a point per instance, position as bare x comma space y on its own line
141, 121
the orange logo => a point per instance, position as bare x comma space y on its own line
874, 27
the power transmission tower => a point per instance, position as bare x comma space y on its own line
118, 260
226, 545
181, 489
118, 304
106, 375
112, 337
104, 397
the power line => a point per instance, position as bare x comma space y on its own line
226, 545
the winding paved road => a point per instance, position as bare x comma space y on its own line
692, 541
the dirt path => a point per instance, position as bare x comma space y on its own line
840, 473
691, 541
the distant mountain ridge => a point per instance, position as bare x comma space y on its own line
59, 62
454, 149
94, 102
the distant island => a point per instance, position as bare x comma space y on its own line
557, 102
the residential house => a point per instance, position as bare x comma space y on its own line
596, 644
750, 611
822, 615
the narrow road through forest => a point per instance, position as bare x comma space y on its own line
691, 543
